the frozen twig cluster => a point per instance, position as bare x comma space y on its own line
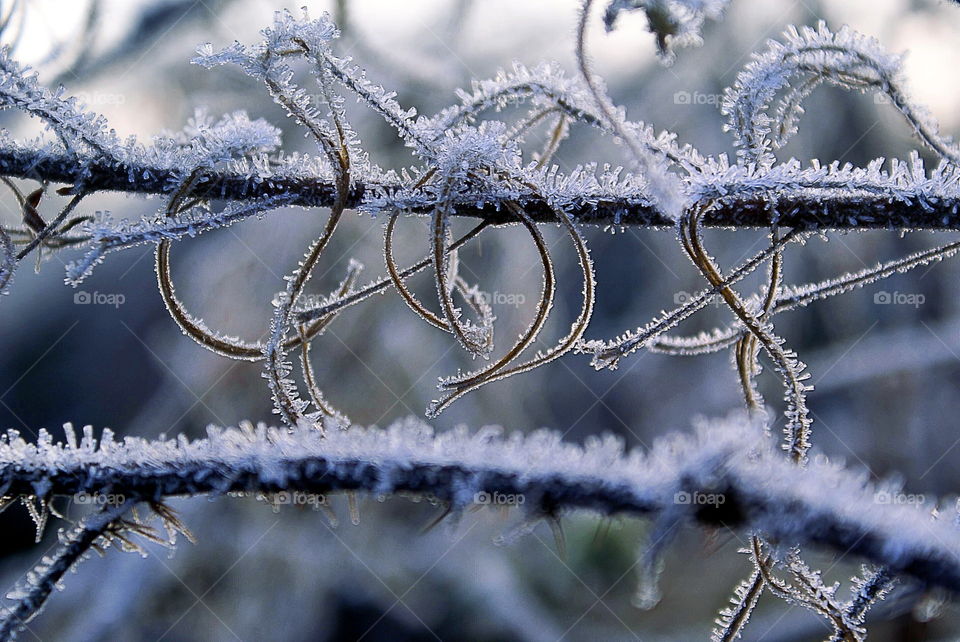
468, 163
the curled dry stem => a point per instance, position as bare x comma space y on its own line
795, 297
806, 591
284, 393
55, 227
463, 385
608, 354
746, 349
318, 312
477, 340
398, 284
309, 378
798, 421
470, 294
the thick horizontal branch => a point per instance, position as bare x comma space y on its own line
814, 211
726, 475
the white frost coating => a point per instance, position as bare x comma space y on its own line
806, 59
286, 34
906, 181
460, 152
265, 61
791, 503
86, 135
790, 297
547, 87
205, 142
108, 236
8, 261
77, 129
544, 85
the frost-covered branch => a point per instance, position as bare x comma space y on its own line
759, 491
883, 204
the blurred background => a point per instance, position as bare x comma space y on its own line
886, 375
